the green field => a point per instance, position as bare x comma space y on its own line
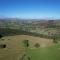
47, 53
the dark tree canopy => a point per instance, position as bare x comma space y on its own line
3, 46
1, 36
37, 45
26, 43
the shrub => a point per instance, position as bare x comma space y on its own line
26, 43
1, 36
37, 45
3, 46
2, 39
55, 39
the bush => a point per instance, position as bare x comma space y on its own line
37, 45
3, 46
54, 40
1, 36
2, 39
26, 43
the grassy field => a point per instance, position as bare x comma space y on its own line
14, 48
46, 53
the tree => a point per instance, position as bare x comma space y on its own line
26, 43
55, 38
1, 36
37, 45
3, 46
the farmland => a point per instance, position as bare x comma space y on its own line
43, 38
15, 48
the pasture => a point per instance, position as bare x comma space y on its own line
46, 53
15, 48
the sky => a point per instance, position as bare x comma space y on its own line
30, 8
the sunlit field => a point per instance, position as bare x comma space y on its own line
15, 48
46, 53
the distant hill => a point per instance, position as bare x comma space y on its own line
15, 21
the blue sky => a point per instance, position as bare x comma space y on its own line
30, 8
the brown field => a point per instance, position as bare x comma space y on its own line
13, 51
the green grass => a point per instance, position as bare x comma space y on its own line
46, 53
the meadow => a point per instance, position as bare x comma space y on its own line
46, 53
15, 48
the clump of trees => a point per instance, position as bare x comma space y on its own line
37, 45
2, 45
1, 36
55, 38
26, 43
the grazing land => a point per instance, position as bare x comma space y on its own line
15, 48
47, 53
29, 40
